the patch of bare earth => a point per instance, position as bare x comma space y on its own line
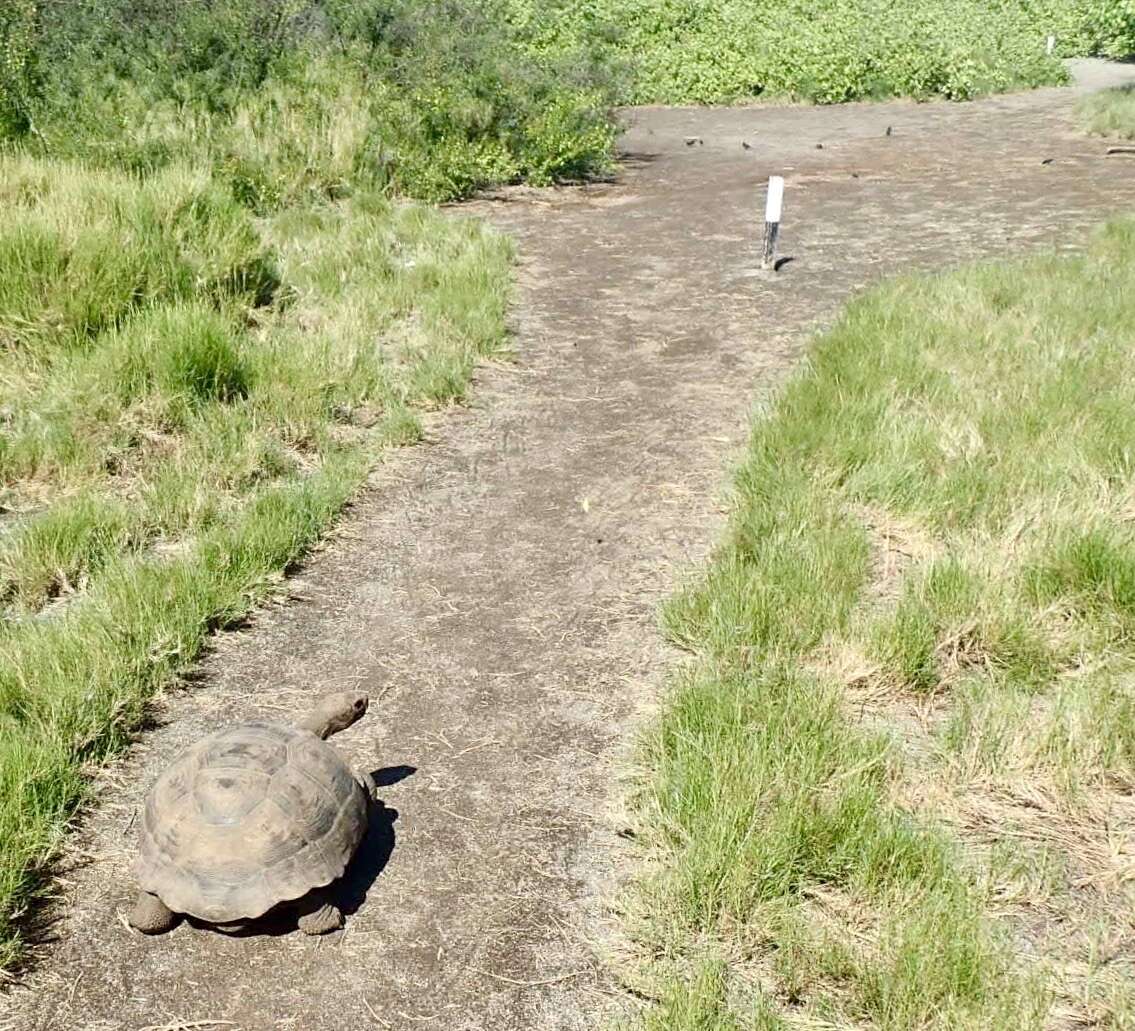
495, 589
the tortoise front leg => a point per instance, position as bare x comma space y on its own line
151, 915
370, 788
318, 914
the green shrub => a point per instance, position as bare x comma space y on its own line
318, 98
17, 53
1104, 28
833, 50
466, 107
207, 52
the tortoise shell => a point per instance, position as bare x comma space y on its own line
246, 818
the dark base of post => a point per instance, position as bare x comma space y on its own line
772, 231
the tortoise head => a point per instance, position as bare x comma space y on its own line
335, 712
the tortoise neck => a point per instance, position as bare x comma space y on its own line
319, 723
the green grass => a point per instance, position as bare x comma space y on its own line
189, 398
1111, 112
907, 718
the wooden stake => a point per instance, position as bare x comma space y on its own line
773, 204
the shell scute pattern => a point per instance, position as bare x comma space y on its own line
249, 746
249, 817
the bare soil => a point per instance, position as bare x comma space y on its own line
495, 590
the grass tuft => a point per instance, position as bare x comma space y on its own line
1111, 112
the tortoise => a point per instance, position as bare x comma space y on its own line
252, 817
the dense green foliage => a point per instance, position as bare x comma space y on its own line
833, 50
283, 96
439, 97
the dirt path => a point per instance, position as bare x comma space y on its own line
497, 588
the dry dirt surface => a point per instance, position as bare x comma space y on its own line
495, 591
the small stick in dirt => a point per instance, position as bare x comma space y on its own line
530, 984
188, 1025
1121, 150
773, 204
370, 1009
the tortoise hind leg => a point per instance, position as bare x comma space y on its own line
318, 914
150, 915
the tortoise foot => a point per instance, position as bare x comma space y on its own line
150, 915
320, 915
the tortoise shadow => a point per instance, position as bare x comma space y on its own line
350, 891
389, 775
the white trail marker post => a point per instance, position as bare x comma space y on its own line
774, 202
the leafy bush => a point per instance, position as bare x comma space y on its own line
287, 97
204, 52
1104, 28
500, 118
833, 50
17, 50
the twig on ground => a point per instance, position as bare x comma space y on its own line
187, 1025
370, 1009
529, 984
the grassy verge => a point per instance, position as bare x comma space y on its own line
1111, 112
188, 399
893, 787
